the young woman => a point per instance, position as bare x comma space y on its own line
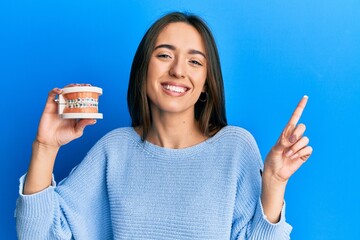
179, 172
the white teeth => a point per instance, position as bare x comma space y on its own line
175, 88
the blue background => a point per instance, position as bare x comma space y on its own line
272, 53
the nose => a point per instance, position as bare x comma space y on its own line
177, 69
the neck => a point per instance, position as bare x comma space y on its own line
172, 130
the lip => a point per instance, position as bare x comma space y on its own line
165, 85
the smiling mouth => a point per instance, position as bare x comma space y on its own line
175, 89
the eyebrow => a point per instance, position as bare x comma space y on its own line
171, 47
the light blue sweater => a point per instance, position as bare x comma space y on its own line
129, 189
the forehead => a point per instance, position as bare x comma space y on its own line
181, 35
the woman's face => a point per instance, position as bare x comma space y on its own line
177, 69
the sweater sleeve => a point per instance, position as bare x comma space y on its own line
249, 220
75, 209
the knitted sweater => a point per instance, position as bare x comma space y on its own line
129, 189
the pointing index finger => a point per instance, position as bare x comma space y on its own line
298, 111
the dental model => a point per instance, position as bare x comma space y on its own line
79, 102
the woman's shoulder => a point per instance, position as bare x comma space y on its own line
238, 143
121, 131
232, 132
234, 137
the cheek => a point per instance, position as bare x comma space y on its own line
156, 70
151, 80
200, 78
151, 76
150, 71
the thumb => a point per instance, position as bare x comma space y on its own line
81, 124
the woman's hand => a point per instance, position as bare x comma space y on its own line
291, 149
285, 158
53, 131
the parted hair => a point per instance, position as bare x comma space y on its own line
210, 114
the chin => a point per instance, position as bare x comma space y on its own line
175, 108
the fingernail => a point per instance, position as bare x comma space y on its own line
289, 153
292, 139
94, 121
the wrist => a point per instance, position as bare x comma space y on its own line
272, 179
42, 152
272, 195
273, 183
40, 146
39, 174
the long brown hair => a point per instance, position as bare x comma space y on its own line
211, 113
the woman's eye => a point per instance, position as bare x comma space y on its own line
195, 62
163, 55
